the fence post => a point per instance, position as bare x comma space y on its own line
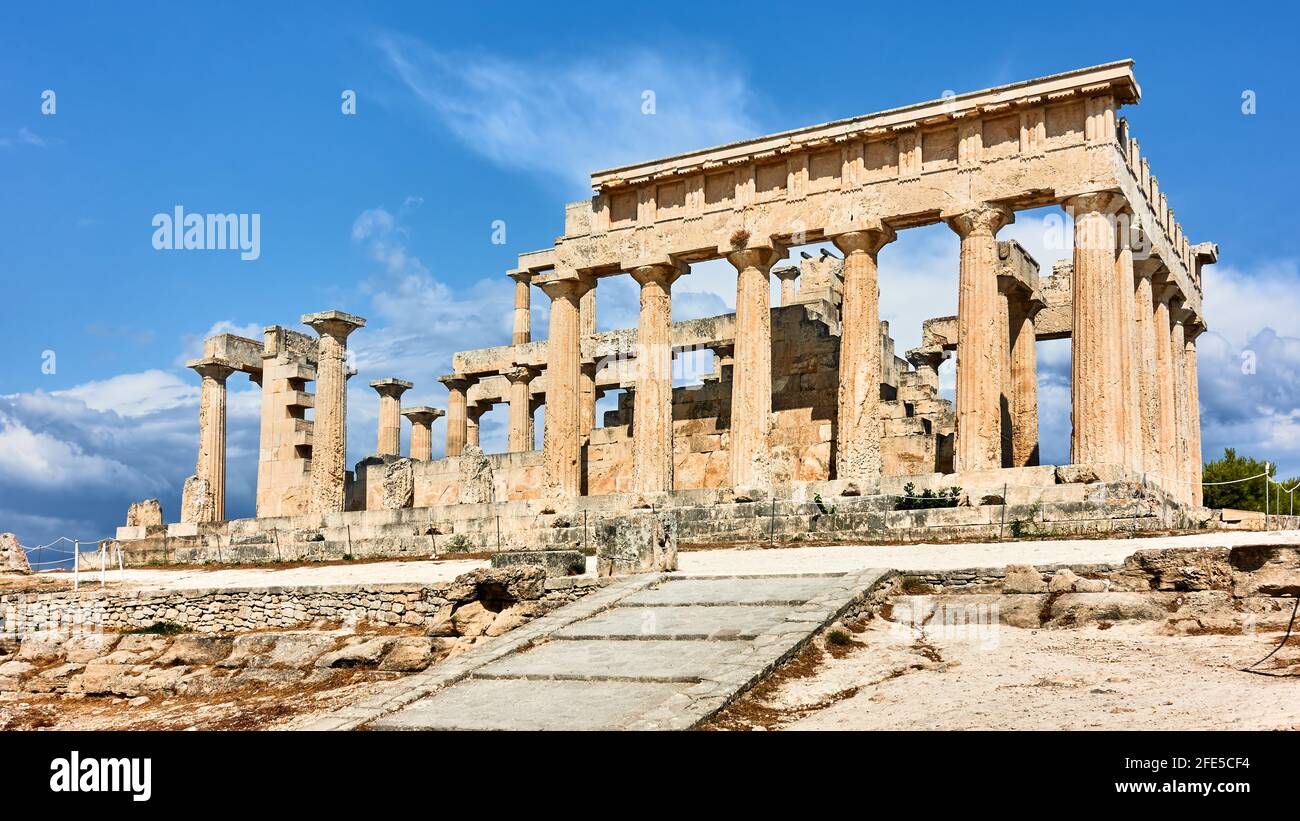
1002, 526
102, 550
76, 565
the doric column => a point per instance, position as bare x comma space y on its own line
652, 409
1146, 367
1022, 387
473, 413
561, 440
858, 422
523, 331
587, 398
1163, 334
390, 392
211, 464
422, 418
980, 346
330, 428
1097, 376
1182, 409
520, 429
458, 386
751, 380
1194, 463
787, 274
1128, 425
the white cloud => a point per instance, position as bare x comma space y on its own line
135, 394
569, 118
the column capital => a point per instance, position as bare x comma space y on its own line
762, 258
521, 275
476, 409
984, 218
572, 287
1103, 202
423, 414
391, 387
458, 381
786, 272
212, 368
870, 240
337, 324
664, 273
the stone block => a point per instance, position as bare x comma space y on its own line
13, 559
555, 562
645, 544
144, 514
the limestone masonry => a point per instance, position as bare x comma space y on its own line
805, 400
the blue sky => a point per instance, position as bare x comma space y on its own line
468, 114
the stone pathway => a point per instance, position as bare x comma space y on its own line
652, 652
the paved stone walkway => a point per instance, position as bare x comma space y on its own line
652, 652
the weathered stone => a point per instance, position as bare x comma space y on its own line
1079, 609
1023, 578
472, 619
13, 559
144, 514
196, 649
362, 652
43, 647
409, 654
648, 544
505, 621
84, 647
399, 485
517, 583
556, 562
1090, 473
291, 650
475, 476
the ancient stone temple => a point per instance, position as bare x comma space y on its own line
805, 399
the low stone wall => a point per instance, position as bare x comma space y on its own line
488, 601
1035, 507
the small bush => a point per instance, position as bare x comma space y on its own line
459, 543
839, 638
927, 499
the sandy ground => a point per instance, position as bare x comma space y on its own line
723, 561
1127, 677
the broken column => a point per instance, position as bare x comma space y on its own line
210, 468
859, 426
787, 274
751, 381
422, 418
562, 441
458, 386
980, 348
329, 433
390, 392
474, 412
652, 413
520, 427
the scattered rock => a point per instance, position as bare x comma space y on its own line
43, 647
295, 650
410, 654
196, 650
358, 652
13, 559
1079, 609
472, 619
1023, 578
505, 621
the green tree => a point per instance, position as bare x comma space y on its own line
1243, 495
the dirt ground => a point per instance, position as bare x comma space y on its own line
1129, 676
266, 708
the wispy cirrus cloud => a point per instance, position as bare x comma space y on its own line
566, 119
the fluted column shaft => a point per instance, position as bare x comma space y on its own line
751, 380
981, 342
329, 428
211, 463
1168, 439
1194, 458
561, 437
858, 423
523, 329
1182, 409
1129, 425
390, 415
1022, 389
1097, 375
520, 427
1147, 370
652, 403
457, 412
422, 419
